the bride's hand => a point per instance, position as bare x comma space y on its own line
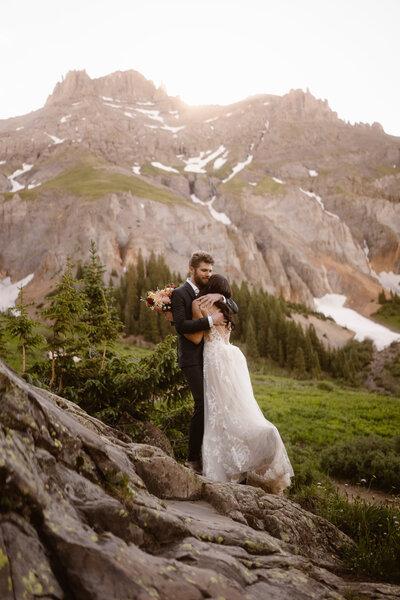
209, 299
218, 318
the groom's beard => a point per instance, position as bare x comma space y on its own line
200, 281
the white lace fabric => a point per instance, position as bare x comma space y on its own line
238, 441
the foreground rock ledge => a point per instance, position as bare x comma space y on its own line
86, 514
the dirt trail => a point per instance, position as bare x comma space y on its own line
371, 496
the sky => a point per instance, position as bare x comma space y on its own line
210, 51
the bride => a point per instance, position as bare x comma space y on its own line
239, 444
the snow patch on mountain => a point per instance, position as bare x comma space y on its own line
65, 119
238, 167
278, 180
218, 216
173, 129
56, 140
15, 185
312, 173
9, 291
196, 164
221, 160
159, 165
388, 280
151, 114
331, 305
318, 199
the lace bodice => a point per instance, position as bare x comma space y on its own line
218, 334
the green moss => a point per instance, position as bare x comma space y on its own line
221, 173
338, 190
383, 170
152, 171
3, 559
25, 194
234, 186
268, 186
93, 183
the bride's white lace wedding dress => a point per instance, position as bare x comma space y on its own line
239, 443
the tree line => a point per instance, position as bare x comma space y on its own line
85, 316
263, 325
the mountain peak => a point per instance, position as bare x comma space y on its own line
123, 85
306, 106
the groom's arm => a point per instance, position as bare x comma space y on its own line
182, 324
209, 299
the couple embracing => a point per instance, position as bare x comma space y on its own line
239, 444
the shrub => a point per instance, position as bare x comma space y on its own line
374, 528
372, 458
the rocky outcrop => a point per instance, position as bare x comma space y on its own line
87, 514
279, 189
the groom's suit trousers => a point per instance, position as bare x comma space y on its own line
194, 376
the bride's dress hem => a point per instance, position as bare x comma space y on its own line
238, 441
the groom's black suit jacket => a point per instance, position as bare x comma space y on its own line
189, 354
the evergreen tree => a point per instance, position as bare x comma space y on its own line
309, 353
65, 310
251, 340
3, 342
299, 366
382, 297
101, 317
20, 325
292, 343
315, 366
281, 356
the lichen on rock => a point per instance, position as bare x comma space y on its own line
96, 516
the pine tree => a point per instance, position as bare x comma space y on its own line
21, 326
382, 297
251, 340
299, 365
65, 310
292, 343
315, 366
101, 317
281, 356
309, 352
3, 341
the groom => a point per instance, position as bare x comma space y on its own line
190, 355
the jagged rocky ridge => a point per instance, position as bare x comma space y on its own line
279, 189
87, 514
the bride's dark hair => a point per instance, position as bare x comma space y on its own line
219, 285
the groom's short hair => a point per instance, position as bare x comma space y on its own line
200, 256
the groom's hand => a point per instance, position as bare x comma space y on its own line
209, 299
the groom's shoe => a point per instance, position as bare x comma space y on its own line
195, 466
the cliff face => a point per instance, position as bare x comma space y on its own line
87, 514
279, 189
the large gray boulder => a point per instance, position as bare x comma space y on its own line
87, 514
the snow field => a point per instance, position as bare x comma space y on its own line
331, 305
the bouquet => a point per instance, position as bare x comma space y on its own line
160, 300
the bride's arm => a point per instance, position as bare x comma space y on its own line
197, 313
